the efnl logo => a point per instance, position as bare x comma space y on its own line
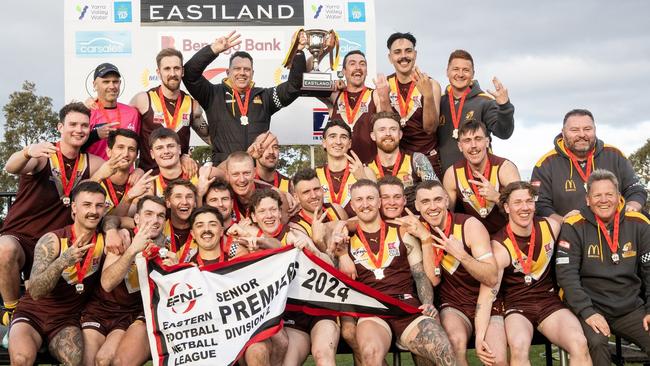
321, 117
356, 12
122, 12
101, 44
352, 40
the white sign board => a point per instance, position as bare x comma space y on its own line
129, 34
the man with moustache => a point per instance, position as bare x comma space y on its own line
119, 311
64, 274
265, 169
415, 97
208, 231
48, 172
603, 263
524, 251
561, 174
236, 110
457, 258
107, 113
474, 181
168, 106
410, 168
464, 100
356, 103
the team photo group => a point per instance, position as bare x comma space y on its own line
412, 204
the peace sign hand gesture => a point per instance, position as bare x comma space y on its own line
224, 43
356, 166
486, 189
449, 244
413, 225
500, 92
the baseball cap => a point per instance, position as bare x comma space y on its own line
105, 68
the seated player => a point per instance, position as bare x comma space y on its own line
524, 252
473, 182
64, 274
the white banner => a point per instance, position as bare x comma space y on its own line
208, 316
129, 34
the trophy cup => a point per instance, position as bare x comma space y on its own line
319, 43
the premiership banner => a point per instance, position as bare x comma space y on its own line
209, 316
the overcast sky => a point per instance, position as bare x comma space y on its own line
551, 55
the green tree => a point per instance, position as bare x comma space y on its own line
201, 154
641, 162
29, 119
296, 157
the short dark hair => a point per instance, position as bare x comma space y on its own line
73, 107
577, 112
429, 184
220, 185
125, 132
179, 182
205, 209
385, 114
168, 52
261, 194
152, 198
303, 174
242, 54
364, 183
337, 122
353, 52
462, 54
515, 186
472, 125
163, 133
87, 186
398, 35
390, 180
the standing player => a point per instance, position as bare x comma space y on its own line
267, 163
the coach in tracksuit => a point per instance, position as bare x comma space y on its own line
236, 110
602, 264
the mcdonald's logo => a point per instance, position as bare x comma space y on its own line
569, 186
593, 251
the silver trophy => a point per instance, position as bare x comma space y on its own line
318, 40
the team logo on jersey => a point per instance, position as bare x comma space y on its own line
417, 101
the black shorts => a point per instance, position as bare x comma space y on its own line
303, 322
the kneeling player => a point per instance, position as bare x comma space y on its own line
207, 229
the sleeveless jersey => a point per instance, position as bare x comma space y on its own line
119, 189
179, 241
160, 183
406, 172
362, 145
125, 298
280, 181
414, 138
467, 202
339, 191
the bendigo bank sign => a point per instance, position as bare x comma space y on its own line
208, 12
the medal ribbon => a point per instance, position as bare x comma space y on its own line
395, 170
172, 238
526, 266
337, 196
456, 115
349, 112
404, 104
439, 253
82, 269
612, 242
379, 258
225, 247
105, 113
243, 107
67, 184
574, 160
200, 262
111, 191
486, 173
174, 122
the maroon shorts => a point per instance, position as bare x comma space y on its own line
28, 246
535, 310
46, 325
399, 325
469, 310
303, 322
101, 319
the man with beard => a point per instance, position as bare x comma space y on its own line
603, 265
356, 103
458, 261
341, 169
107, 113
266, 165
65, 272
122, 332
410, 168
464, 100
168, 106
114, 174
237, 111
416, 97
389, 260
524, 254
48, 173
473, 182
561, 175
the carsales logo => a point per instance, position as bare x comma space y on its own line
182, 297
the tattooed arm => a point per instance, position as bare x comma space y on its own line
47, 268
199, 125
414, 256
423, 167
